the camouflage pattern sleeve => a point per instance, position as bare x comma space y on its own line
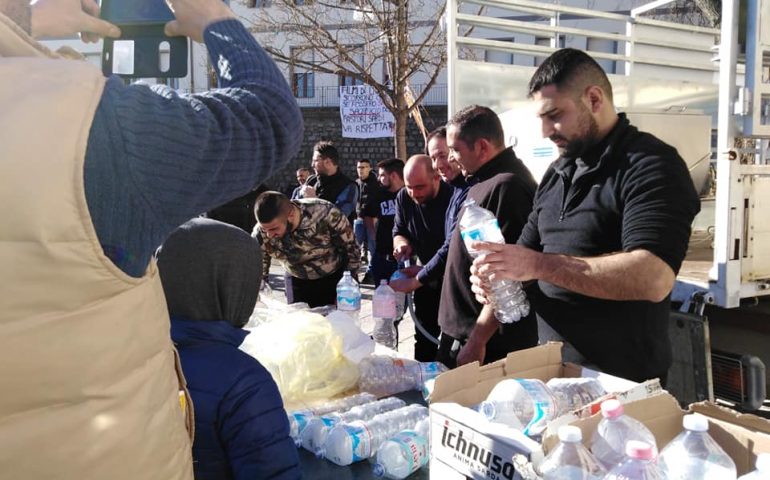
343, 239
266, 258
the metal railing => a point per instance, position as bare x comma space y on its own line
329, 96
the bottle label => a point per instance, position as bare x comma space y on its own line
414, 448
348, 304
360, 440
489, 231
430, 370
302, 419
384, 307
543, 407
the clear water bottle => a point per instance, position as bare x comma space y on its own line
314, 436
614, 432
400, 296
298, 419
403, 454
507, 297
382, 376
349, 296
638, 464
763, 469
528, 404
694, 454
577, 392
570, 460
384, 313
355, 441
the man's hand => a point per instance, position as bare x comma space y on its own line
406, 285
308, 191
62, 18
402, 251
472, 351
193, 16
506, 261
479, 286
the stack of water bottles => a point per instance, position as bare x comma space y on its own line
298, 419
507, 297
359, 440
383, 375
626, 450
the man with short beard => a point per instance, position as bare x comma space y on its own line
608, 231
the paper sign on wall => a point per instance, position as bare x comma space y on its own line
363, 114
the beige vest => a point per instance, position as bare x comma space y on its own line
87, 367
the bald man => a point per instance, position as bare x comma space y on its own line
421, 209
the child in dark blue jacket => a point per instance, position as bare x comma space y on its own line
211, 274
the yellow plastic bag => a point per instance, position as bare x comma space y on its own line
303, 353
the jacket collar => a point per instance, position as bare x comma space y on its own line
499, 163
600, 153
187, 332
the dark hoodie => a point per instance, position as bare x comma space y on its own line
210, 273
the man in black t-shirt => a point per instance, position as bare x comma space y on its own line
381, 210
609, 228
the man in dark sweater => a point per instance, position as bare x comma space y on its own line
609, 228
367, 186
380, 213
329, 183
421, 210
502, 184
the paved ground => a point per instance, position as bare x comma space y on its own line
405, 329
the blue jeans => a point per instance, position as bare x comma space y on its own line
362, 235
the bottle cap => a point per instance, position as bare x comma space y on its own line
570, 434
763, 462
695, 423
639, 450
611, 408
383, 282
488, 409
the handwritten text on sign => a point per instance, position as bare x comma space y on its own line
363, 114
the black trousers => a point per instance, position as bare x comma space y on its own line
316, 293
426, 303
508, 338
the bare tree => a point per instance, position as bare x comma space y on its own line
382, 43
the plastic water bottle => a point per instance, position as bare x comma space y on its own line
763, 469
352, 442
615, 430
694, 454
298, 419
400, 296
638, 464
526, 405
382, 376
404, 453
507, 297
384, 312
349, 296
314, 436
570, 460
577, 392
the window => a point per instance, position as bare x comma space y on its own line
349, 80
303, 85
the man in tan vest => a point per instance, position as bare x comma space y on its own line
94, 175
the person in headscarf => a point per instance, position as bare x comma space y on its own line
211, 275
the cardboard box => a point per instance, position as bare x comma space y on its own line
468, 385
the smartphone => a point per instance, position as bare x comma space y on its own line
143, 50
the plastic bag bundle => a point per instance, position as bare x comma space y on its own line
304, 354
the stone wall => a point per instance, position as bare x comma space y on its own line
324, 124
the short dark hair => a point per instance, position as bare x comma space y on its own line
570, 70
392, 165
440, 132
327, 150
475, 122
365, 160
269, 205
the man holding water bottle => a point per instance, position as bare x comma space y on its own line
608, 231
502, 184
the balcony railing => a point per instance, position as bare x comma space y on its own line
330, 96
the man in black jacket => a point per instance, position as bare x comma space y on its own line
609, 228
329, 183
502, 184
367, 186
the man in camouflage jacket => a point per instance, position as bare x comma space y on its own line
314, 242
